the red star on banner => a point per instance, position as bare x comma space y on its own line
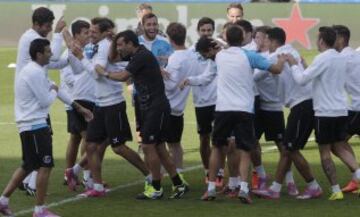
297, 27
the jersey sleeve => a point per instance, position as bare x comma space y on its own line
257, 61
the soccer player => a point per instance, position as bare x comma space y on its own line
42, 21
153, 41
352, 88
235, 101
328, 76
32, 104
270, 117
110, 121
81, 88
235, 12
181, 64
155, 110
160, 47
204, 96
299, 125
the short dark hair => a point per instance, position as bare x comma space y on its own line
177, 33
277, 34
261, 29
235, 5
234, 35
204, 44
78, 25
328, 35
342, 31
205, 20
111, 23
103, 23
147, 16
38, 46
128, 36
246, 25
42, 15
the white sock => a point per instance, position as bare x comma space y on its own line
221, 172
98, 187
244, 186
148, 178
211, 186
335, 188
260, 170
27, 179
86, 174
32, 183
4, 200
76, 169
39, 208
313, 185
179, 170
276, 187
356, 175
289, 178
233, 182
90, 183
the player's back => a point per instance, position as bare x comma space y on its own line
235, 81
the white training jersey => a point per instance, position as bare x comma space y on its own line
180, 66
328, 76
203, 94
235, 79
290, 91
268, 87
33, 96
23, 54
353, 77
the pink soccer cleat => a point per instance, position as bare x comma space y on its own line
93, 193
44, 213
267, 194
310, 194
292, 189
5, 210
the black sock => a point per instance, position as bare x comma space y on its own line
156, 184
176, 180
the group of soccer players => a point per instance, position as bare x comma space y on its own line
240, 83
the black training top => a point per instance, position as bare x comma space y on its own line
145, 71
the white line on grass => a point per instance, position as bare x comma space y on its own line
77, 198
